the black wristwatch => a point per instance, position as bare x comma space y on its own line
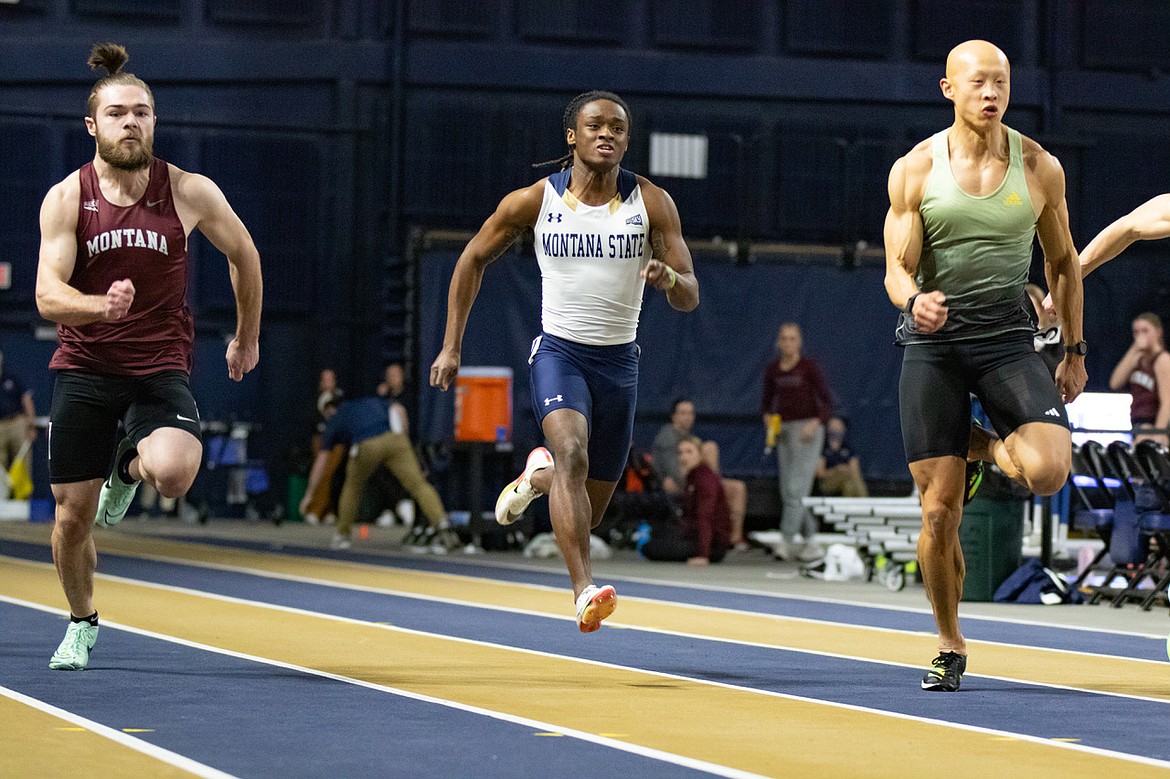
1080, 348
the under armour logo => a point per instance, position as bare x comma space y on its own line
558, 399
1051, 413
555, 217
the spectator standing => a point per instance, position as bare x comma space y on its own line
795, 388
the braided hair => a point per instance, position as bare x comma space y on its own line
113, 58
572, 110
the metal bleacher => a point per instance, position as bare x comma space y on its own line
883, 530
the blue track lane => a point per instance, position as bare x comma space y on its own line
1098, 642
1097, 720
256, 720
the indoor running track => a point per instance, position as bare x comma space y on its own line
233, 659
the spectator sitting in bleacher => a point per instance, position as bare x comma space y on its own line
670, 474
839, 471
703, 534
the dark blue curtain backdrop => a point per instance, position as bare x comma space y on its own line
714, 355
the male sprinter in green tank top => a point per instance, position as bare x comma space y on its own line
965, 205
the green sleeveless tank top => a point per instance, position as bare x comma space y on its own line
975, 248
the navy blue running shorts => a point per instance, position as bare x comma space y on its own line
601, 382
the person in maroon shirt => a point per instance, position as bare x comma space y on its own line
113, 275
704, 534
795, 388
1144, 372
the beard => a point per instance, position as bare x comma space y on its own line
133, 157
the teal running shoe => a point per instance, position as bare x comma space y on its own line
116, 495
73, 653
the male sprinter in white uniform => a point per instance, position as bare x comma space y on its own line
597, 228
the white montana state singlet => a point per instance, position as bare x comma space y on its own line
590, 260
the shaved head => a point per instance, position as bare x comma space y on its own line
975, 53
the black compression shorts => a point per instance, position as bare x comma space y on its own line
87, 407
934, 392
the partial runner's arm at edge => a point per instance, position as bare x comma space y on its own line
1148, 222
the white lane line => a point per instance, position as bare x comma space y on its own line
668, 757
138, 745
641, 751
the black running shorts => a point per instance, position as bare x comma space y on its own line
87, 407
934, 392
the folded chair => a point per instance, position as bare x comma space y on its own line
1095, 511
1152, 504
1126, 547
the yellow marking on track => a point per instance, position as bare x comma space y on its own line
33, 744
137, 730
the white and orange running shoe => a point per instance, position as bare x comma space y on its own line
593, 605
516, 496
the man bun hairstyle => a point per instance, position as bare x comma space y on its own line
112, 57
572, 110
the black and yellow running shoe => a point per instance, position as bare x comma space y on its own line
974, 479
946, 672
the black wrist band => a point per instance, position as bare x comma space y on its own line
910, 303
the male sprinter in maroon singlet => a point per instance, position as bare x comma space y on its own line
113, 276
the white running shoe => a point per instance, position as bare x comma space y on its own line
593, 605
516, 496
339, 542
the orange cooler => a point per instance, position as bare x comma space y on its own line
483, 404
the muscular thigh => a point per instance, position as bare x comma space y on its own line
934, 403
1015, 387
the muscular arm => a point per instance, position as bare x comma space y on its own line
1062, 269
57, 301
214, 217
1148, 222
903, 241
516, 212
670, 251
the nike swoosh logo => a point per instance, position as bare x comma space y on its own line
153, 203
185, 419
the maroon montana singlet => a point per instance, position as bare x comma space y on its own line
1143, 386
145, 243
